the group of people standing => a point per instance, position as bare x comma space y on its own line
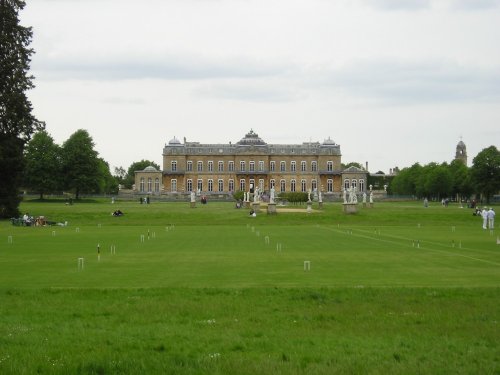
488, 218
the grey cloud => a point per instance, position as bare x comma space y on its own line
170, 68
123, 100
475, 4
413, 83
249, 91
398, 4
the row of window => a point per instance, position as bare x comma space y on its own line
282, 187
142, 187
358, 185
252, 166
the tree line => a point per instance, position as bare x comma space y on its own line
74, 167
451, 180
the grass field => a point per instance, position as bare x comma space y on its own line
398, 289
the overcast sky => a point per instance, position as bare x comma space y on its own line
393, 82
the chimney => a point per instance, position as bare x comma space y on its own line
366, 166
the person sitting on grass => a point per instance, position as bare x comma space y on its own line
27, 220
117, 213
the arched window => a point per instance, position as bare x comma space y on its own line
329, 185
354, 184
142, 185
210, 185
361, 185
282, 185
303, 186
150, 185
314, 185
231, 185
242, 184
292, 185
189, 185
272, 183
173, 185
220, 182
347, 184
157, 184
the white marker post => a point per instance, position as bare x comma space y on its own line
142, 237
98, 252
113, 249
307, 265
266, 240
80, 264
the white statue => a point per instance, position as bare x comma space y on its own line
309, 195
256, 195
271, 199
193, 197
371, 197
364, 197
345, 195
320, 197
353, 199
385, 188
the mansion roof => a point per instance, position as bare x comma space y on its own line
251, 143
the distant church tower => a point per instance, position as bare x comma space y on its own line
461, 153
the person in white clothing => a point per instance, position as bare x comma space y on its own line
484, 215
491, 218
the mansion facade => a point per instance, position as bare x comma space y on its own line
251, 162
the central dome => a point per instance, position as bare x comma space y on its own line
251, 138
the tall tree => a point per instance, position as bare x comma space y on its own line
17, 123
462, 186
120, 174
80, 164
42, 172
485, 172
439, 182
405, 181
108, 184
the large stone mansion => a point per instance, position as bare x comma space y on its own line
226, 168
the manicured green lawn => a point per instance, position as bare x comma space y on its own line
395, 289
